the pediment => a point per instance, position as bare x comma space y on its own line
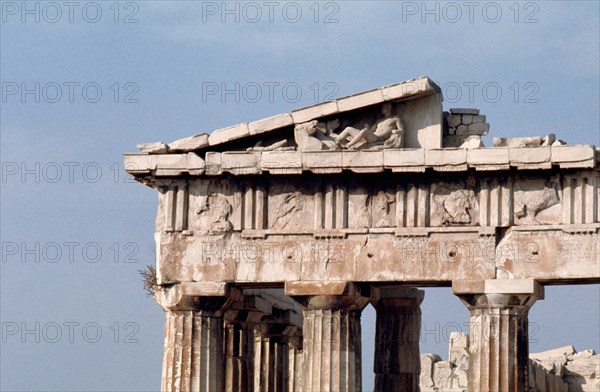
396, 128
402, 115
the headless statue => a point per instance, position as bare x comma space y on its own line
379, 132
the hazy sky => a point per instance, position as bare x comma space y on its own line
84, 82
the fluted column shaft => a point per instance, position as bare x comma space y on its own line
295, 364
397, 362
239, 356
270, 363
332, 343
498, 343
499, 349
193, 351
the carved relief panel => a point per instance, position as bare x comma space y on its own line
371, 208
537, 201
359, 208
211, 207
454, 204
290, 208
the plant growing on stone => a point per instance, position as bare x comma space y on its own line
149, 278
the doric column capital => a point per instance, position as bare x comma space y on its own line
513, 294
396, 297
333, 302
208, 296
328, 296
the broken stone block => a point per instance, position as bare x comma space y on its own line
479, 119
189, 144
454, 121
582, 374
583, 367
442, 374
557, 352
462, 130
467, 119
535, 141
479, 128
153, 148
499, 142
549, 139
581, 354
472, 141
458, 347
461, 377
427, 362
464, 111
559, 142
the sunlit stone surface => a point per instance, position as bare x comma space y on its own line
272, 236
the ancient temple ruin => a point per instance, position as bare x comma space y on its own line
273, 235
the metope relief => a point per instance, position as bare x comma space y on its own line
454, 204
359, 208
537, 201
210, 209
290, 209
375, 209
213, 212
383, 209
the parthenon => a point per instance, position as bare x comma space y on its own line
272, 236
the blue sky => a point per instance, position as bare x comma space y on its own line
109, 75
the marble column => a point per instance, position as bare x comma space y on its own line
332, 342
397, 362
272, 355
295, 363
269, 362
239, 356
242, 320
193, 349
258, 326
499, 345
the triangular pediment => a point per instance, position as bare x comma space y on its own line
402, 115
398, 128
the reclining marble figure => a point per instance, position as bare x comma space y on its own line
390, 127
